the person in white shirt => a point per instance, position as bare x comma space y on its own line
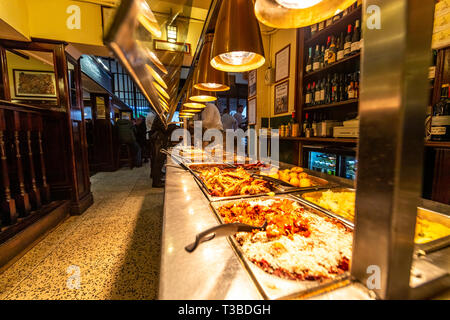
149, 122
211, 117
228, 121
239, 117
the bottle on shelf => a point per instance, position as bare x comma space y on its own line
327, 48
309, 63
440, 121
314, 126
322, 91
295, 125
348, 41
332, 51
322, 57
313, 29
334, 89
340, 51
316, 62
328, 90
356, 80
321, 26
313, 94
305, 127
355, 47
308, 95
317, 93
351, 87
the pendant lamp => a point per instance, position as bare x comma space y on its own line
207, 78
194, 105
237, 44
202, 96
284, 14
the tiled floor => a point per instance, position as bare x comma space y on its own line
112, 251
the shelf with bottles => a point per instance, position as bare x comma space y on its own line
332, 91
320, 31
337, 66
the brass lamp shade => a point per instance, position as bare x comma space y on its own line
237, 45
148, 20
207, 78
286, 14
202, 96
194, 105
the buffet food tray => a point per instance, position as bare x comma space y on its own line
278, 188
426, 214
270, 286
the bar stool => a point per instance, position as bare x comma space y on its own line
124, 149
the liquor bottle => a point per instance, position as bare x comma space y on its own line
308, 95
328, 90
321, 26
342, 88
313, 94
340, 52
322, 91
305, 125
316, 62
334, 89
322, 57
351, 87
329, 22
355, 38
440, 121
309, 62
332, 51
348, 41
325, 62
314, 126
356, 80
317, 94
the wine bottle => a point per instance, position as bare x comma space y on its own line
340, 52
313, 29
305, 125
317, 94
309, 62
440, 121
308, 95
351, 87
313, 94
322, 54
355, 38
314, 126
334, 89
348, 41
328, 90
322, 91
316, 62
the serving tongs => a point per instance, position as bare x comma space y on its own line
223, 230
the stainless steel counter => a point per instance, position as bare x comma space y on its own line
212, 271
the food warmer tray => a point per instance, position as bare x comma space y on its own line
278, 188
426, 214
272, 287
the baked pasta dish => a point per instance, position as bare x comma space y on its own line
296, 245
225, 182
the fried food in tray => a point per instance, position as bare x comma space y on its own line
297, 243
223, 181
294, 176
342, 203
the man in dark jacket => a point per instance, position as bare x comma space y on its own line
141, 137
127, 135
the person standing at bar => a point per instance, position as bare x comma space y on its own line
158, 137
241, 121
228, 121
141, 132
127, 135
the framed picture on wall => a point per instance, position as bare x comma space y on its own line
252, 83
282, 63
281, 97
34, 84
251, 111
101, 108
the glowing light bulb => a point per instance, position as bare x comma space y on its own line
212, 85
297, 4
237, 58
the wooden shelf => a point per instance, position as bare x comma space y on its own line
335, 27
332, 66
317, 139
437, 144
332, 105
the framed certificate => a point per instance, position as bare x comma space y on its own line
281, 97
252, 83
282, 63
251, 111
